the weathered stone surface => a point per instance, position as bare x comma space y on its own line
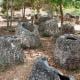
43, 19
49, 27
27, 25
42, 71
68, 29
29, 38
10, 51
55, 36
67, 51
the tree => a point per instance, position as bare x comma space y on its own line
60, 4
11, 16
10, 5
7, 6
77, 4
23, 9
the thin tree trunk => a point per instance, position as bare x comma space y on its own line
7, 6
61, 12
61, 16
35, 17
11, 13
23, 10
37, 14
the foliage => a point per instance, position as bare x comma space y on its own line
67, 3
77, 4
40, 3
16, 4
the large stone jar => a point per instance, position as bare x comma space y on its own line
28, 35
48, 28
42, 71
10, 51
67, 51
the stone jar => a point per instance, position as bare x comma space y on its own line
10, 51
42, 71
68, 29
67, 51
28, 35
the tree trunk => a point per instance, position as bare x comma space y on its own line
37, 15
23, 10
7, 6
61, 13
11, 13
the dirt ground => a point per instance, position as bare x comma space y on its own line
22, 71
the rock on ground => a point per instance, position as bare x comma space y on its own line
42, 71
67, 51
10, 51
29, 35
